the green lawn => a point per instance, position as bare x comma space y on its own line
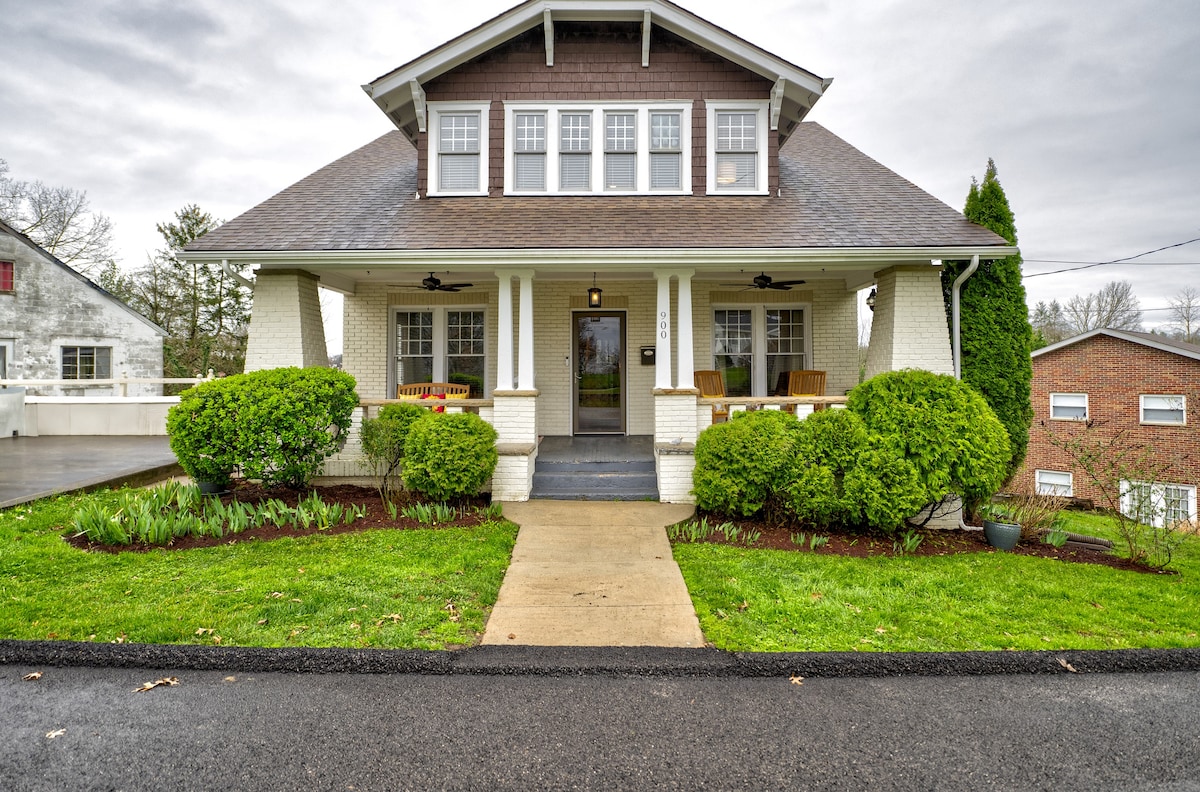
424, 589
765, 600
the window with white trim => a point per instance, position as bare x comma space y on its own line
440, 344
1159, 504
458, 147
1054, 482
1069, 406
1163, 409
6, 276
86, 363
584, 148
737, 147
754, 345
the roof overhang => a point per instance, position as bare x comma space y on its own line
1164, 346
341, 270
402, 98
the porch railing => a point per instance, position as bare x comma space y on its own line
735, 403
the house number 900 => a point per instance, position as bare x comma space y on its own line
662, 324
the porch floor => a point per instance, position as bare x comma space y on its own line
597, 448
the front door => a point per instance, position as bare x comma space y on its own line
599, 366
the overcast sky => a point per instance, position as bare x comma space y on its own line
1089, 107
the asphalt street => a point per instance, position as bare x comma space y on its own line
83, 728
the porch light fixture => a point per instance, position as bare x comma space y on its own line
871, 300
594, 294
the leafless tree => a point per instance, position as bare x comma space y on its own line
58, 219
1185, 314
1114, 306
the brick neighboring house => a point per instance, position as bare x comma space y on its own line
626, 145
1143, 385
55, 324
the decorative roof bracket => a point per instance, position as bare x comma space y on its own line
646, 40
777, 102
418, 95
548, 24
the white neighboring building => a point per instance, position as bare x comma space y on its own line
55, 324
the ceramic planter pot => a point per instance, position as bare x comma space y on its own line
1002, 536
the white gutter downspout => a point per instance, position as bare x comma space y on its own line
954, 314
250, 284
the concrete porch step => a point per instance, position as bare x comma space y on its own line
583, 485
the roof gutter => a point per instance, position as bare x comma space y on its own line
955, 311
249, 284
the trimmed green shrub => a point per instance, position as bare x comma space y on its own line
383, 442
202, 430
742, 466
449, 455
277, 425
941, 426
840, 475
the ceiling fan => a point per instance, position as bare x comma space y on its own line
764, 281
435, 284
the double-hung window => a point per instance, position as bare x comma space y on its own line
754, 345
440, 344
737, 147
1170, 410
1069, 406
86, 363
458, 148
620, 151
6, 276
529, 159
585, 148
575, 152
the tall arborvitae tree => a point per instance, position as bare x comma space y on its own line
995, 333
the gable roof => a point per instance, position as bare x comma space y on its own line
832, 196
5, 228
399, 93
1151, 340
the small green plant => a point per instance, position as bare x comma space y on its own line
1056, 537
493, 511
907, 542
818, 541
751, 537
730, 531
742, 466
383, 444
421, 512
799, 538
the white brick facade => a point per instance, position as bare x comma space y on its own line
909, 326
285, 322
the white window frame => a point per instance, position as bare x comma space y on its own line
597, 110
1086, 407
1044, 487
433, 138
8, 345
1158, 492
712, 107
758, 338
441, 344
94, 346
1182, 409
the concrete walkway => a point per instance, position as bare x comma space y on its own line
594, 574
37, 467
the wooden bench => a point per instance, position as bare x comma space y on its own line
433, 390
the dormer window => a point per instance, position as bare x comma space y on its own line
458, 148
581, 148
737, 147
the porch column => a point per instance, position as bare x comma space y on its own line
525, 333
285, 321
504, 333
685, 375
908, 329
662, 332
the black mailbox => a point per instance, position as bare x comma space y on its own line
648, 356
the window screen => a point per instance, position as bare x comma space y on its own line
620, 147
458, 152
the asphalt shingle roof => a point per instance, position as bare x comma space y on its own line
832, 196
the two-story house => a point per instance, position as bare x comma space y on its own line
583, 202
1136, 393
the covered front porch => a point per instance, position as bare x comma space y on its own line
543, 359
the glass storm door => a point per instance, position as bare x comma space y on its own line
599, 373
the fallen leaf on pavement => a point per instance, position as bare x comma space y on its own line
167, 681
55, 733
797, 680
1067, 666
34, 677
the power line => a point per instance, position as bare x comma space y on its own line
1114, 261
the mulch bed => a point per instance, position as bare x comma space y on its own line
377, 517
933, 543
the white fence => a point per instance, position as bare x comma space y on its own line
110, 412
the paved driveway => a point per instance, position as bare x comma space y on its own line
35, 467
